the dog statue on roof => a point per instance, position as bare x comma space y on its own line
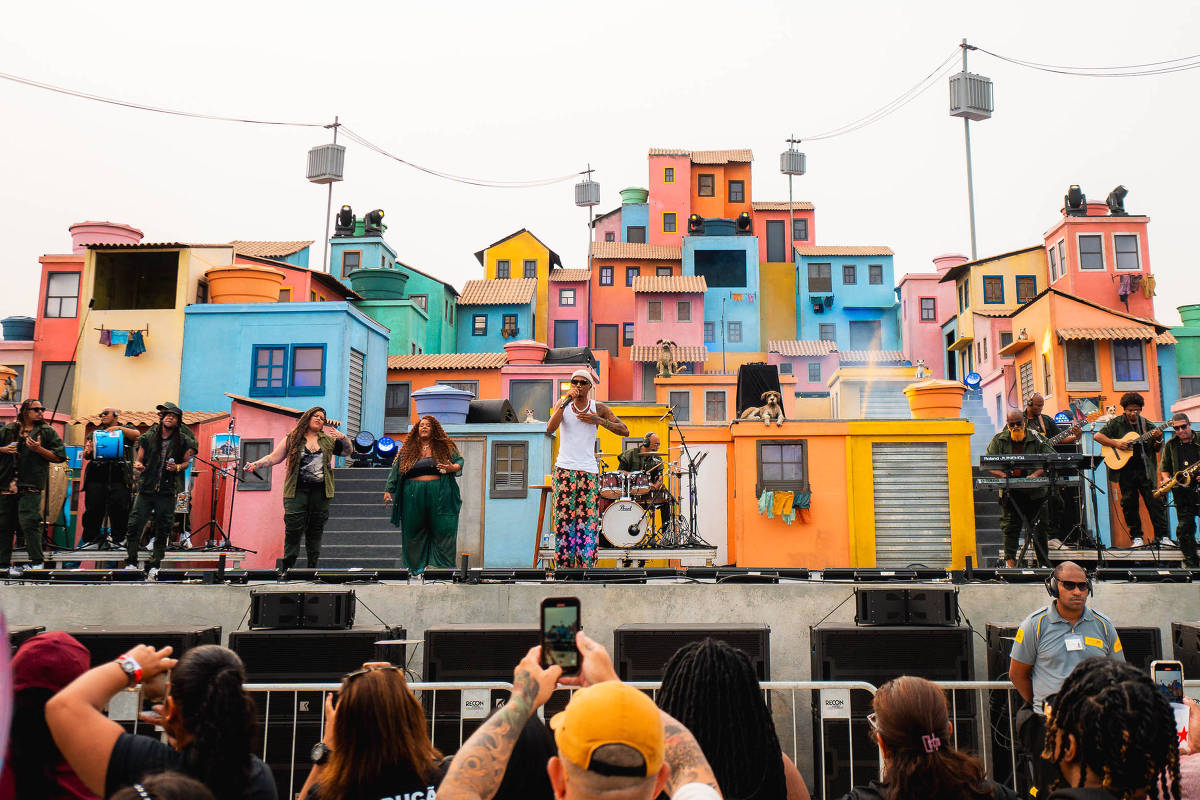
666, 365
771, 409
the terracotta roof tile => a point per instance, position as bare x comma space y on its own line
269, 249
662, 284
570, 275
147, 418
687, 354
258, 402
738, 156
781, 205
448, 361
802, 347
842, 250
498, 292
1118, 332
637, 251
871, 356
1166, 338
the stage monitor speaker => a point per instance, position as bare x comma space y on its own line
1141, 645
932, 606
641, 650
270, 609
106, 642
17, 635
880, 606
330, 610
310, 656
1185, 641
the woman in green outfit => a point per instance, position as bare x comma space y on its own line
424, 483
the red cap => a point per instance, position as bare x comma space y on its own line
49, 661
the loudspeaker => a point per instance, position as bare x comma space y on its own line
1185, 641
18, 635
106, 642
275, 609
333, 610
302, 656
491, 411
329, 610
880, 606
641, 650
932, 606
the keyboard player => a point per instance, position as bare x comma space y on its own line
1018, 505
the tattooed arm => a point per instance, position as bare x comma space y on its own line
688, 764
478, 768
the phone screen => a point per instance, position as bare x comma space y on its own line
1168, 676
560, 623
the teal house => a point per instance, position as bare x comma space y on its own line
1187, 351
493, 312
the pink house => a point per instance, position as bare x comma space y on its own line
667, 307
570, 307
771, 220
925, 304
607, 227
811, 362
670, 182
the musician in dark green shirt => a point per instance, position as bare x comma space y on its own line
1139, 475
1178, 454
1015, 439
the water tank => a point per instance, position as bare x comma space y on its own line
634, 196
325, 163
971, 96
17, 329
587, 193
792, 162
92, 232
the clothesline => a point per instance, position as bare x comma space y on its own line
145, 330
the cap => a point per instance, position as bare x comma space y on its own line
49, 661
582, 373
170, 408
610, 713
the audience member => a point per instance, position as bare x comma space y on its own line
34, 767
376, 743
712, 688
1189, 760
1112, 734
165, 786
914, 732
208, 717
612, 741
526, 777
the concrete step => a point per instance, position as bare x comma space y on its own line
339, 525
356, 538
335, 562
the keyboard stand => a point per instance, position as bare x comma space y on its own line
1030, 527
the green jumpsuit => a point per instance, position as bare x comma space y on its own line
427, 513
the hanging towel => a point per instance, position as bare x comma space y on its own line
782, 504
118, 337
1123, 288
1135, 283
105, 337
766, 501
1148, 286
136, 346
802, 500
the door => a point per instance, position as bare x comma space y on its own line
471, 485
607, 338
566, 333
912, 504
712, 499
648, 372
866, 335
951, 359
776, 244
535, 395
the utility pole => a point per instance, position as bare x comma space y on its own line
971, 99
328, 208
970, 174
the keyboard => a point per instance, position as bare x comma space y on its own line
1037, 461
992, 482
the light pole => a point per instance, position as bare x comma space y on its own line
587, 193
971, 99
791, 163
325, 165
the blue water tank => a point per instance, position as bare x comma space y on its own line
17, 329
719, 227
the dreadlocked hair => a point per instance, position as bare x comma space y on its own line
910, 713
220, 716
1123, 727
713, 690
443, 446
299, 434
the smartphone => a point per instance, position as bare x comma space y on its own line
560, 623
1168, 677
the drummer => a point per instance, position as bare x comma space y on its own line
643, 457
108, 483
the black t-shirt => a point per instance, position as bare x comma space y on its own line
135, 757
401, 781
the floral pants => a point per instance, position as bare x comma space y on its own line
576, 521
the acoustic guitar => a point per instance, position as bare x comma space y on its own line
1116, 459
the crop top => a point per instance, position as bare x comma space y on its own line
422, 467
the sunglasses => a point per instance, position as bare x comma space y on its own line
580, 382
1182, 427
358, 674
37, 408
1016, 426
1071, 586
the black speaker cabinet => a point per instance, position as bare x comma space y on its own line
19, 634
309, 656
333, 610
932, 606
1185, 640
641, 650
1141, 645
106, 642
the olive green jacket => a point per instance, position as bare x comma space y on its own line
330, 447
32, 470
449, 498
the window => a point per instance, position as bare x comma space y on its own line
710, 331
737, 191
993, 289
135, 280
814, 372
928, 309
635, 234
683, 311
451, 312
1047, 384
1005, 339
535, 395
1026, 288
1091, 252
270, 371
627, 334
1126, 247
383, 260
421, 300
253, 450
682, 403
396, 409
827, 332
631, 273
351, 259
785, 368
983, 348
820, 278
412, 348
668, 222
503, 268
668, 174
508, 324
782, 465
201, 292
566, 333
1188, 385
530, 269
285, 294
566, 297
875, 274
1062, 256
714, 406
607, 339
610, 236
510, 468
1081, 365
1129, 366
479, 325
62, 294
706, 185
799, 230
11, 392
849, 274
721, 268
662, 272
1026, 371
866, 335
56, 375
1053, 264
654, 311
735, 331
308, 369
606, 276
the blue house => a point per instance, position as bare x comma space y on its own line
493, 312
359, 250
728, 262
326, 354
846, 295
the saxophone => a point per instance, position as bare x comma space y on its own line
1182, 479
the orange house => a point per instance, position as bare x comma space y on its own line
473, 372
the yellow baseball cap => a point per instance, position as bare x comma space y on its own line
610, 713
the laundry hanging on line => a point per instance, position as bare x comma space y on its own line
136, 345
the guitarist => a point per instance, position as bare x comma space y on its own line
1063, 505
1044, 424
1139, 475
1179, 453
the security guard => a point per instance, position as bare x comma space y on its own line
1049, 643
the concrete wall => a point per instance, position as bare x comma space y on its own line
374, 253
55, 336
638, 214
609, 223
922, 339
1100, 286
440, 307
859, 301
669, 326
777, 302
516, 249
577, 313
407, 322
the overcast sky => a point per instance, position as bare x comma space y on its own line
519, 91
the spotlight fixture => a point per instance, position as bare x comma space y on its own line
344, 224
695, 225
744, 223
373, 222
1116, 202
1075, 202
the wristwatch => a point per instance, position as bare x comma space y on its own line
131, 668
320, 753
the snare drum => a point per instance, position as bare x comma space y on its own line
625, 524
108, 444
226, 446
639, 483
613, 485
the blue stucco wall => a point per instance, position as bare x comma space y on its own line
634, 214
376, 253
859, 302
492, 341
740, 302
1168, 370
439, 329
299, 258
218, 346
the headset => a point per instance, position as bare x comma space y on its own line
1052, 584
646, 439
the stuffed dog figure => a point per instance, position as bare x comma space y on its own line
667, 365
772, 409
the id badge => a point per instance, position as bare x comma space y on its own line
1074, 642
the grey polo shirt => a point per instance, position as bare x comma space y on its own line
1054, 646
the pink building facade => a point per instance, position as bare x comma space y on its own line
569, 307
803, 214
1098, 256
925, 305
812, 363
607, 227
670, 181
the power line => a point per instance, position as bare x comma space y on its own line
1181, 64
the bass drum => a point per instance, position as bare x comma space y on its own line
625, 524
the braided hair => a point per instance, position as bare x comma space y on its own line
1123, 727
713, 690
219, 715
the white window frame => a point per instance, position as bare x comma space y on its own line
1079, 249
1137, 251
672, 404
1081, 386
1125, 386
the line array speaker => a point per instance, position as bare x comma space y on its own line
1185, 640
928, 606
19, 634
106, 642
641, 650
309, 656
326, 610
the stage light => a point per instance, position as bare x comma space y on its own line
1116, 202
1075, 201
695, 225
744, 223
373, 222
364, 449
385, 450
343, 225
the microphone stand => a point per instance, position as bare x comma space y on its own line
214, 522
693, 539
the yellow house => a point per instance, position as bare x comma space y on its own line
143, 288
523, 255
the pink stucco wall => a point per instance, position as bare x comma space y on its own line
675, 196
800, 364
689, 332
609, 224
923, 340
258, 516
760, 229
1100, 286
578, 312
560, 372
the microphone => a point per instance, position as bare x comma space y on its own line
670, 411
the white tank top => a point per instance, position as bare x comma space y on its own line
577, 441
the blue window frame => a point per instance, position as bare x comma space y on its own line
479, 325
268, 370
307, 369
631, 273
993, 289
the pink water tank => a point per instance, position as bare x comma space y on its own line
85, 233
949, 261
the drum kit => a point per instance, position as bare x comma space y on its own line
628, 502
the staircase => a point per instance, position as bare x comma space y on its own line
886, 400
360, 531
